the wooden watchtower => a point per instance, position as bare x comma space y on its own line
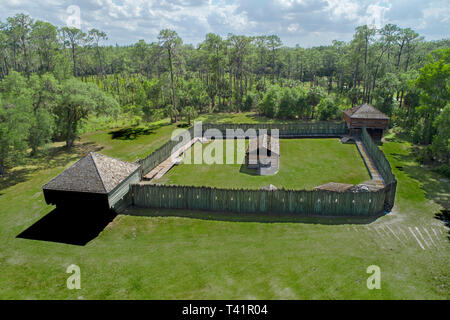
366, 115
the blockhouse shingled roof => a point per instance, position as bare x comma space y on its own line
95, 173
365, 111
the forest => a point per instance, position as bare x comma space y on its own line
53, 80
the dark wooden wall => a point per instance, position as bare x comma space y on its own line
71, 200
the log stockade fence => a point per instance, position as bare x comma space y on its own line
316, 202
304, 202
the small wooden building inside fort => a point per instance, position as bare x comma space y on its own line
95, 181
263, 154
366, 115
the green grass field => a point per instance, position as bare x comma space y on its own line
304, 164
204, 255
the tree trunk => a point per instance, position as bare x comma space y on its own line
171, 78
2, 167
74, 61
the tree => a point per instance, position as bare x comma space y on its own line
141, 51
172, 112
433, 81
14, 124
213, 45
384, 93
44, 95
45, 40
327, 109
189, 113
73, 38
288, 100
77, 101
314, 96
239, 49
170, 41
98, 36
273, 43
270, 103
441, 141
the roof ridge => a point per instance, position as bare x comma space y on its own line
73, 165
96, 169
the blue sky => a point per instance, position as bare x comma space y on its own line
304, 22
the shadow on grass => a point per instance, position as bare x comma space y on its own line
435, 186
400, 137
70, 227
53, 157
218, 118
132, 133
444, 216
251, 172
12, 178
248, 217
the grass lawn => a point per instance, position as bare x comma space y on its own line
304, 164
204, 255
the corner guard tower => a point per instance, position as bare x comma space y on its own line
366, 115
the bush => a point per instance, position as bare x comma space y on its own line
444, 170
288, 101
327, 109
270, 102
425, 156
248, 102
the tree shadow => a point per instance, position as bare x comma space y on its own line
218, 118
444, 216
435, 186
70, 226
249, 217
57, 156
12, 178
132, 133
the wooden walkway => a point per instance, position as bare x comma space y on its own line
167, 164
377, 181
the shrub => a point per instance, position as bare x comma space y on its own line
248, 102
425, 155
288, 101
327, 109
270, 102
444, 170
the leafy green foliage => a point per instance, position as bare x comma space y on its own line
77, 101
327, 109
14, 122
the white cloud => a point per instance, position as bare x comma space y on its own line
347, 9
306, 22
293, 27
441, 14
375, 15
288, 3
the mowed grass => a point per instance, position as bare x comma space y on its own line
131, 143
204, 255
304, 164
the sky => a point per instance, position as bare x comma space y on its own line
304, 22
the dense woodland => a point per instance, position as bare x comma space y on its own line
54, 79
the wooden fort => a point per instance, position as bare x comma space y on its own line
366, 115
95, 180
